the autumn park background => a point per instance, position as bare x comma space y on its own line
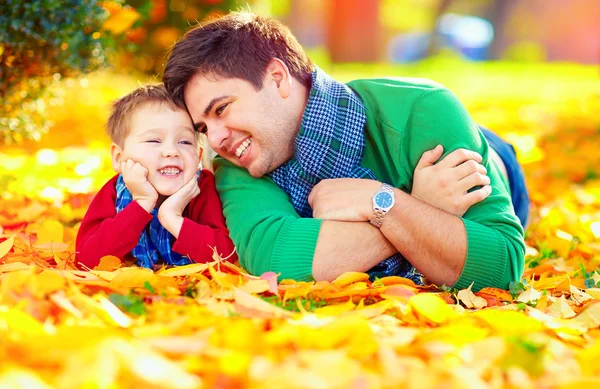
526, 69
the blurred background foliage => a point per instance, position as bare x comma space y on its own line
46, 44
523, 68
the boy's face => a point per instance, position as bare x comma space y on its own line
164, 142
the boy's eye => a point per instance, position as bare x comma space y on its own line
153, 141
186, 142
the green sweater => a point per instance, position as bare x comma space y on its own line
405, 117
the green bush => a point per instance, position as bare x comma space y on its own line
42, 41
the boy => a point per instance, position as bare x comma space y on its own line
159, 208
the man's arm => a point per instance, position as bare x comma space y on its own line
485, 246
348, 246
270, 235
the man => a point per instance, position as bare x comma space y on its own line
316, 176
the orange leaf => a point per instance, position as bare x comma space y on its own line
395, 280
302, 289
6, 246
51, 231
349, 278
500, 294
108, 263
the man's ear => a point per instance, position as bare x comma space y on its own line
279, 74
116, 154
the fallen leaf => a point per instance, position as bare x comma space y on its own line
186, 270
530, 295
252, 306
50, 231
108, 263
255, 286
6, 246
301, 289
432, 308
349, 278
271, 278
467, 297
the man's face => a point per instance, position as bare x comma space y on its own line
252, 129
164, 142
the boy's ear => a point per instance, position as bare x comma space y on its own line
116, 154
278, 72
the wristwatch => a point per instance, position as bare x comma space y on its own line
383, 201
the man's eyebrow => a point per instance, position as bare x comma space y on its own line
212, 104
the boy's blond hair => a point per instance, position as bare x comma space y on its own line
122, 109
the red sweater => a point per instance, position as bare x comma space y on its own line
103, 231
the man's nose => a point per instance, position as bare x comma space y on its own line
217, 135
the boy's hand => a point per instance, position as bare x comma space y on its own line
135, 176
445, 185
171, 211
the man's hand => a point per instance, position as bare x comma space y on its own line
135, 176
171, 211
343, 199
445, 184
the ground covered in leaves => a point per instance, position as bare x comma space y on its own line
214, 325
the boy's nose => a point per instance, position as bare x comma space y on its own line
169, 150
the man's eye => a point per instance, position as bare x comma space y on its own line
202, 129
220, 110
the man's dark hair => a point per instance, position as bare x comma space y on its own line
238, 45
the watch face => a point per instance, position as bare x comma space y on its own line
384, 200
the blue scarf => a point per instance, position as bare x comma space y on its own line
155, 241
330, 144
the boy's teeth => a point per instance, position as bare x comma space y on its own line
169, 171
240, 150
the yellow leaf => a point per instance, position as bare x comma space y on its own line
508, 323
49, 282
51, 231
13, 266
301, 289
6, 246
225, 280
335, 310
133, 277
255, 286
470, 300
186, 270
349, 278
20, 322
432, 307
594, 292
108, 263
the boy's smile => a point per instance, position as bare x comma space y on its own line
164, 142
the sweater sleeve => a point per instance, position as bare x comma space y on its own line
103, 231
267, 230
495, 245
204, 226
